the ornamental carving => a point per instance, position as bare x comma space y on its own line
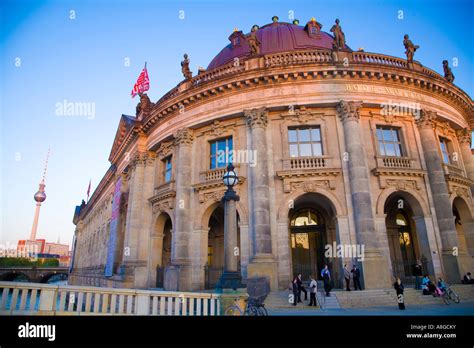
162, 207
184, 136
464, 136
403, 185
140, 159
165, 149
214, 196
427, 118
445, 128
256, 117
304, 115
349, 110
310, 186
217, 129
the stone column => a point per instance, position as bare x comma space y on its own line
439, 190
374, 267
262, 261
139, 219
183, 229
464, 139
231, 278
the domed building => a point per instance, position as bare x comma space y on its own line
343, 157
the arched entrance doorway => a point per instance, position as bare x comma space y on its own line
407, 236
464, 224
215, 247
162, 242
312, 228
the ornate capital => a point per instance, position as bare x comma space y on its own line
464, 136
256, 117
427, 118
184, 136
349, 110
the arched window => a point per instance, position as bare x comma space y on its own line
305, 217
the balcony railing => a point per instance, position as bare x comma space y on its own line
453, 170
297, 57
394, 162
305, 163
213, 174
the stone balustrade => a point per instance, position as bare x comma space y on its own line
46, 299
305, 163
213, 174
380, 59
453, 170
214, 74
394, 162
297, 57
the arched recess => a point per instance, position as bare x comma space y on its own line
161, 248
408, 225
312, 230
15, 277
212, 242
416, 201
287, 203
464, 223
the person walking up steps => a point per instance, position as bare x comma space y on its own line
347, 277
313, 290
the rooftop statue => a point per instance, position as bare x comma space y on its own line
253, 42
187, 73
145, 103
410, 48
448, 74
339, 37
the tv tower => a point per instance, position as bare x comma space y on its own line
39, 197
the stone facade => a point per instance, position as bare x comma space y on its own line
416, 204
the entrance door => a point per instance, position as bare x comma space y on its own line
307, 243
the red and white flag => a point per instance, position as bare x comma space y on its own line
142, 84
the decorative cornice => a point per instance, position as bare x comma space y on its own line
290, 173
215, 183
256, 117
184, 136
349, 110
427, 119
398, 172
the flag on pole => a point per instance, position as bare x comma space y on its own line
142, 84
88, 190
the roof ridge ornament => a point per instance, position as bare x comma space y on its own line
410, 48
313, 28
448, 74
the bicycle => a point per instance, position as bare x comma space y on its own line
450, 295
252, 307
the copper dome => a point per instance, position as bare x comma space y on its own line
275, 37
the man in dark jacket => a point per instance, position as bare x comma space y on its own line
301, 288
418, 272
326, 275
356, 276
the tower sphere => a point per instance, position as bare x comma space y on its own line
40, 197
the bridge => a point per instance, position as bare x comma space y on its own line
33, 274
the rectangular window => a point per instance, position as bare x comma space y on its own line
305, 142
443, 143
167, 172
389, 141
221, 152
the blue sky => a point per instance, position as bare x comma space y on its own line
47, 57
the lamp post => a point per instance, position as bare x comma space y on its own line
231, 278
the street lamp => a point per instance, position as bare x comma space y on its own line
231, 278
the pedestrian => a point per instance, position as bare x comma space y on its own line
301, 288
418, 272
424, 285
467, 279
294, 284
347, 277
398, 285
313, 290
355, 277
326, 275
